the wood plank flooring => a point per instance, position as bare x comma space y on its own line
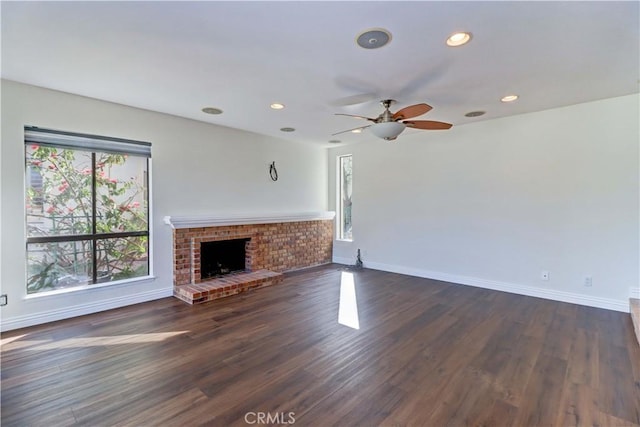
427, 353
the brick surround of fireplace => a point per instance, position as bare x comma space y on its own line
273, 247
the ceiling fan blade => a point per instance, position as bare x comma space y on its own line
427, 125
350, 130
353, 115
355, 84
424, 79
412, 111
354, 100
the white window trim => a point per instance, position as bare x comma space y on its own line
339, 230
83, 288
150, 277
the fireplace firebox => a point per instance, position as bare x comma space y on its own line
222, 257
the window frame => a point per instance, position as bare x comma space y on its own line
340, 208
94, 144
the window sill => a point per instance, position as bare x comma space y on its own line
345, 240
88, 287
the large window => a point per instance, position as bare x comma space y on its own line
87, 209
345, 176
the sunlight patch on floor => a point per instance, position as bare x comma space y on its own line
348, 309
39, 345
6, 341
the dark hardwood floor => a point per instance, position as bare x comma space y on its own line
427, 354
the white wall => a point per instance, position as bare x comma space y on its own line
494, 203
197, 168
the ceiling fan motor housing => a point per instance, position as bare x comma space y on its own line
386, 115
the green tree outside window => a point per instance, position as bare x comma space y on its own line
87, 217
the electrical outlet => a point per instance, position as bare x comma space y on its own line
544, 275
3, 299
588, 281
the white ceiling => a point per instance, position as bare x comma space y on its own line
178, 57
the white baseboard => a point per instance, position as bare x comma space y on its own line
294, 270
82, 309
95, 307
551, 294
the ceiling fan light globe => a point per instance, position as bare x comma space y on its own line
387, 130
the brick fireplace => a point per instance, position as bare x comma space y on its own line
274, 244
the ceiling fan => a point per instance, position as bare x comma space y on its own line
389, 125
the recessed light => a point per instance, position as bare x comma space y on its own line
373, 38
509, 98
475, 113
458, 39
287, 129
359, 130
334, 141
211, 110
277, 106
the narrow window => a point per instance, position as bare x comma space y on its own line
87, 209
345, 175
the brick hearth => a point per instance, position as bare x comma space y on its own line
226, 286
272, 248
